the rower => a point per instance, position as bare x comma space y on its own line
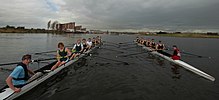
18, 78
160, 46
89, 42
152, 44
145, 42
98, 39
148, 43
137, 39
93, 41
142, 40
85, 45
176, 53
63, 54
77, 49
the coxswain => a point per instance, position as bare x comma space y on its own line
77, 49
18, 78
62, 55
176, 53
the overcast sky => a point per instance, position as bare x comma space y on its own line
169, 15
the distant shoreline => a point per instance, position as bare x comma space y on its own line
15, 30
186, 35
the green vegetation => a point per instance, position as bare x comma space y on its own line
12, 29
187, 35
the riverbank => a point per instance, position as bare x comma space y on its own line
22, 30
186, 35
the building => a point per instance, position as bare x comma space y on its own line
78, 28
66, 27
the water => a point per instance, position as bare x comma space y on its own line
106, 75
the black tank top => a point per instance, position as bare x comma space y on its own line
63, 53
160, 46
26, 77
78, 48
84, 45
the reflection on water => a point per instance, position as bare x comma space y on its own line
176, 71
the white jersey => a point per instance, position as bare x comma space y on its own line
89, 43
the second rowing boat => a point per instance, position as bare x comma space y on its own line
179, 62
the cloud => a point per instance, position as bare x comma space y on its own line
114, 14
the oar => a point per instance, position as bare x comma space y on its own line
112, 45
9, 63
183, 52
195, 55
125, 42
113, 50
129, 47
125, 63
111, 42
37, 53
133, 54
37, 60
4, 69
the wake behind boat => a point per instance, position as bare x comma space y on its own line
178, 62
7, 93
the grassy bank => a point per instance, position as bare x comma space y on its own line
187, 35
14, 30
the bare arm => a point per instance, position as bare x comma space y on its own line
68, 51
31, 72
82, 47
57, 56
9, 83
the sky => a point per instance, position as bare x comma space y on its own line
121, 15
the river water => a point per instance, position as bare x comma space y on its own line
109, 75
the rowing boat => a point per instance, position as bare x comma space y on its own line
7, 93
179, 62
